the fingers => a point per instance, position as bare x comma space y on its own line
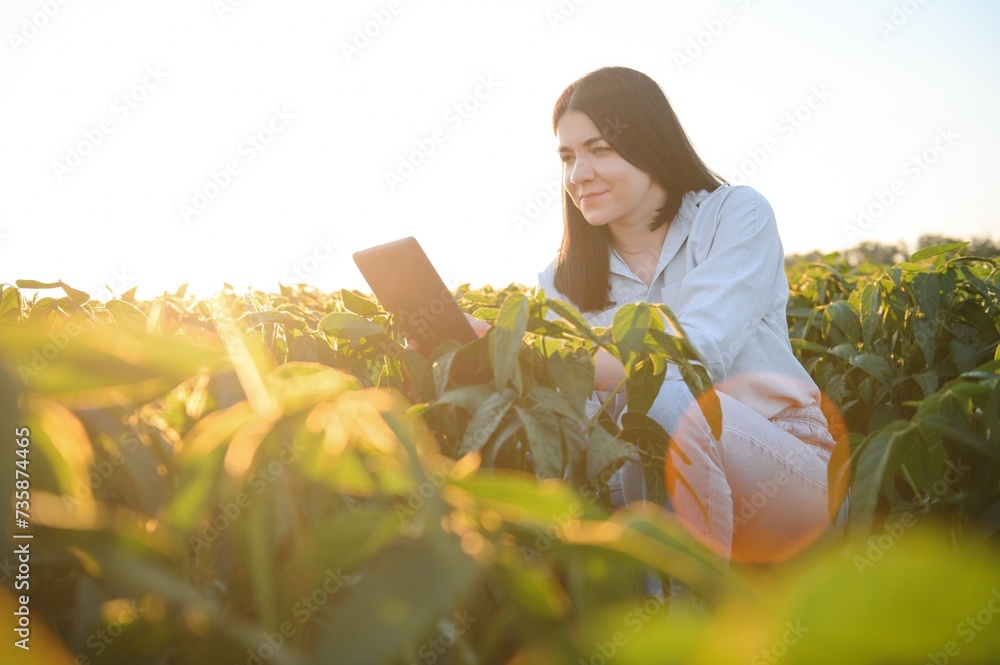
481, 327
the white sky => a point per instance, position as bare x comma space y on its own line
227, 73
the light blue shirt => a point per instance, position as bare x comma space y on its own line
721, 271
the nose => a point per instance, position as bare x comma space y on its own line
581, 171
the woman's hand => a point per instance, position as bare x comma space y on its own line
480, 326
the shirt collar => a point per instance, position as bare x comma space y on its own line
678, 232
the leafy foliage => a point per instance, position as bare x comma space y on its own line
275, 477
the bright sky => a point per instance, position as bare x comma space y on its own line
249, 141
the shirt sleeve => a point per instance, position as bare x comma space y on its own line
737, 280
546, 282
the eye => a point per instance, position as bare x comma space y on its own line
602, 149
565, 157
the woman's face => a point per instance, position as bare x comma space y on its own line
604, 186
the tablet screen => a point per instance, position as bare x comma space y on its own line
404, 281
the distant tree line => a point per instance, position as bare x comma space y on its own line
876, 252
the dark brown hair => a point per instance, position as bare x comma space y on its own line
635, 118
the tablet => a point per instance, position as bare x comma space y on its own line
404, 281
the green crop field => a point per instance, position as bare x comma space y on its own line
274, 478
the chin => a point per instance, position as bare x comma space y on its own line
596, 219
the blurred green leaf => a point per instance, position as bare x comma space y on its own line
937, 250
127, 315
486, 420
349, 326
544, 440
355, 303
507, 335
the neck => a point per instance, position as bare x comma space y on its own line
641, 252
638, 239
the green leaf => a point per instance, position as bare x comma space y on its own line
469, 398
507, 340
925, 334
871, 300
357, 304
806, 345
847, 318
349, 326
573, 373
10, 302
35, 284
77, 296
253, 319
928, 252
928, 382
555, 402
478, 298
486, 313
544, 439
955, 432
127, 315
966, 356
304, 348
603, 450
871, 466
926, 292
643, 386
573, 315
395, 604
877, 366
486, 420
631, 322
108, 366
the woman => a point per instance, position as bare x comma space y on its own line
646, 220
